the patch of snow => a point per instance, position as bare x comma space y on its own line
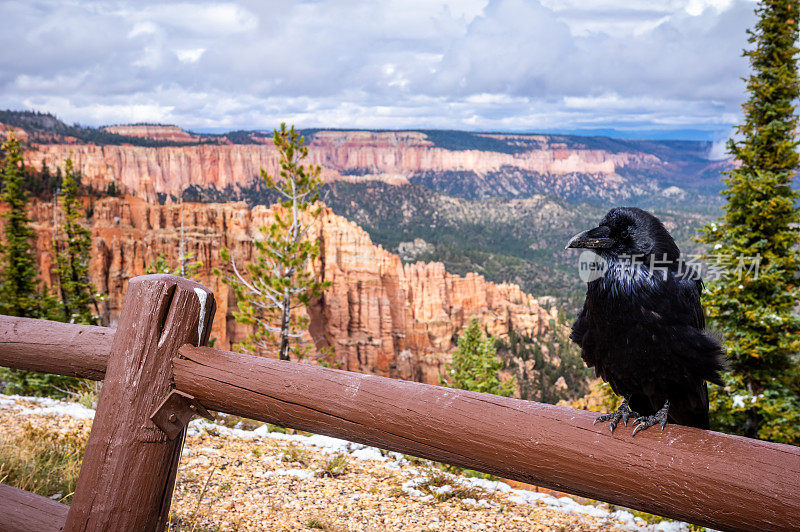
481, 503
486, 484
670, 526
262, 431
625, 517
369, 453
49, 407
409, 486
194, 428
447, 488
738, 401
5, 402
75, 410
328, 444
398, 457
199, 424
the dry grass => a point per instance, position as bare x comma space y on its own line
42, 461
437, 480
295, 454
88, 393
320, 522
333, 467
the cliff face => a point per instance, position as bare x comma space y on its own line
538, 164
382, 316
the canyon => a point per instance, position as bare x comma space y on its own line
499, 204
380, 315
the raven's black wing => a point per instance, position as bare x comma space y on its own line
579, 335
701, 355
690, 286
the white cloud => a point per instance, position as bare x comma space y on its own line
696, 7
191, 55
196, 17
142, 28
485, 64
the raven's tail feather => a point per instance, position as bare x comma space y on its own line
691, 409
714, 361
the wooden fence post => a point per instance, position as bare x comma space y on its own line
129, 467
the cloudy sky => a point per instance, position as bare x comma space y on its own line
508, 65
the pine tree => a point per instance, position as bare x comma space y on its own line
554, 358
73, 251
753, 309
18, 275
19, 287
281, 278
475, 364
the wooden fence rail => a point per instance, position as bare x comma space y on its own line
704, 477
28, 512
725, 482
54, 347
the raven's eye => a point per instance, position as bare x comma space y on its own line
623, 233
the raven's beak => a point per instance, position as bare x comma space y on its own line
597, 238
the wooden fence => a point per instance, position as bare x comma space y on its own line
156, 378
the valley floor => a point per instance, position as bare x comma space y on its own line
234, 478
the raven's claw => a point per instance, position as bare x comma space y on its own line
623, 413
645, 422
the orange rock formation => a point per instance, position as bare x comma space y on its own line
382, 316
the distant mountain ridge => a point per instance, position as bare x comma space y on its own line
154, 161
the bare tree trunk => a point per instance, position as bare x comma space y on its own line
181, 254
285, 316
287, 308
56, 251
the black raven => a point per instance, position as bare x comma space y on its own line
642, 325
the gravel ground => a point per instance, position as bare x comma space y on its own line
235, 479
